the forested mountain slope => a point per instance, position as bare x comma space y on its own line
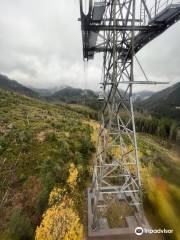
165, 103
72, 95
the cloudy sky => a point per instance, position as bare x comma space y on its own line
40, 46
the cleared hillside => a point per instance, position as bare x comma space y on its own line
46, 163
42, 147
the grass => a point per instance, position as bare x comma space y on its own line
117, 213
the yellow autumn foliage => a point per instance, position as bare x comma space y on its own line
60, 222
73, 175
75, 232
56, 196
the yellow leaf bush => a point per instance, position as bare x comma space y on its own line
61, 222
56, 196
73, 175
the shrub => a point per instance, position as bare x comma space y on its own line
53, 171
3, 144
20, 227
51, 137
25, 136
42, 201
60, 222
22, 177
49, 181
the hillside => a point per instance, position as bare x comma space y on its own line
142, 95
76, 96
43, 147
46, 156
46, 92
165, 103
14, 86
64, 94
160, 172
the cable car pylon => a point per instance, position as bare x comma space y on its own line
119, 29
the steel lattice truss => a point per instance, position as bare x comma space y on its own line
116, 173
119, 29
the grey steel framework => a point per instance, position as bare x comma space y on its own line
119, 29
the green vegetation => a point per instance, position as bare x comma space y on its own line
160, 162
164, 128
164, 103
20, 227
86, 111
45, 154
116, 214
76, 96
38, 144
160, 127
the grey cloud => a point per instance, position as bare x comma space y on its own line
40, 45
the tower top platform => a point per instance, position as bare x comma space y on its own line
93, 24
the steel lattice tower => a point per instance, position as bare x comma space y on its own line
124, 168
119, 29
116, 172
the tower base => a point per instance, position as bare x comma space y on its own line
123, 233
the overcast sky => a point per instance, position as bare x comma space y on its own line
40, 46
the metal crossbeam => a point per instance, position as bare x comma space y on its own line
121, 28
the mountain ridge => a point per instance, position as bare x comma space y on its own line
72, 95
13, 85
164, 103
